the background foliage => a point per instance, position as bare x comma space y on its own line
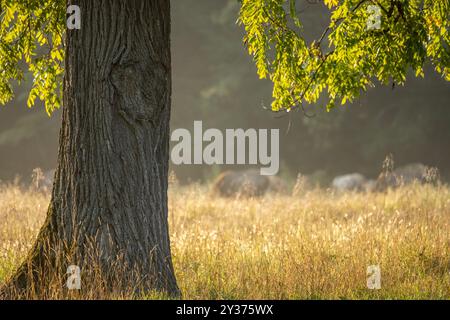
215, 80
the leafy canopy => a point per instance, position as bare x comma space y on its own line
349, 56
31, 39
342, 63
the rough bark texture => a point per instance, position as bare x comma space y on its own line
110, 190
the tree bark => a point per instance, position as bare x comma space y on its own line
110, 189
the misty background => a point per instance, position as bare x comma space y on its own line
215, 80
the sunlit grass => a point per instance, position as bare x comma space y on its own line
317, 245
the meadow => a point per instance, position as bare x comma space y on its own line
316, 244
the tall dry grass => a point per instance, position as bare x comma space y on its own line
316, 245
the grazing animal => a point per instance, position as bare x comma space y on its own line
415, 172
248, 183
350, 182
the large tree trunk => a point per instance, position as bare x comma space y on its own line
110, 190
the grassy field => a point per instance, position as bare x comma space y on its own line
316, 245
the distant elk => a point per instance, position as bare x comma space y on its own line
389, 178
414, 172
351, 182
247, 183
